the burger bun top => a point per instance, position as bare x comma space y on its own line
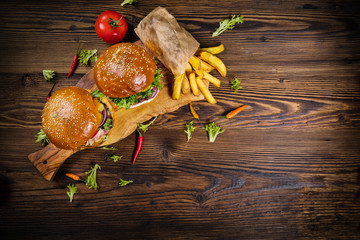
124, 69
71, 117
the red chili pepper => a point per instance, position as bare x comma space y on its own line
74, 63
139, 144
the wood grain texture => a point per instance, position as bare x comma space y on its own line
287, 167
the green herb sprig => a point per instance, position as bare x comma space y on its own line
91, 179
72, 191
123, 182
116, 158
42, 138
87, 55
228, 24
48, 74
213, 130
109, 148
235, 84
128, 2
144, 127
189, 130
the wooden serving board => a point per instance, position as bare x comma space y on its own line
49, 159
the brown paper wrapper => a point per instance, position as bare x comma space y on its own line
167, 40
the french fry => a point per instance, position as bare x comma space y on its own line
198, 68
207, 67
177, 86
212, 79
214, 61
213, 50
188, 68
185, 87
195, 63
200, 73
193, 84
209, 97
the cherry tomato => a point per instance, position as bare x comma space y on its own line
111, 27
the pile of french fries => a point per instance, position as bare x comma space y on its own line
197, 70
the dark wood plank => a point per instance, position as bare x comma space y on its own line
238, 186
287, 167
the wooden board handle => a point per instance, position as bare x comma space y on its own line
49, 159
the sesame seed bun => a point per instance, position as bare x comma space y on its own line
124, 69
71, 117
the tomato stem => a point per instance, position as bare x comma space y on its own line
114, 23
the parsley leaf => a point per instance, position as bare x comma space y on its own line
144, 127
235, 84
91, 179
48, 74
87, 55
116, 158
123, 182
189, 130
42, 138
228, 24
213, 131
72, 191
109, 148
128, 2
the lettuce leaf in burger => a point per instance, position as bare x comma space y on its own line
127, 74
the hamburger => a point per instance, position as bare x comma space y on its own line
127, 74
73, 119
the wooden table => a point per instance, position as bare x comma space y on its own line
287, 167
